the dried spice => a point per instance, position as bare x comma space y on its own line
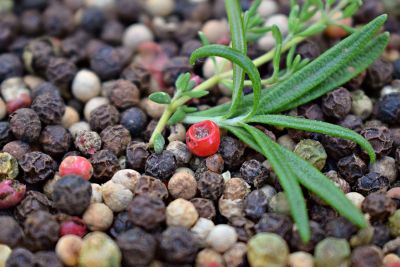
389, 108
254, 173
49, 107
105, 163
231, 151
92, 20
161, 165
88, 142
37, 54
11, 66
106, 63
146, 211
58, 20
121, 224
148, 185
8, 166
372, 182
267, 248
116, 196
340, 228
367, 256
136, 155
317, 234
73, 226
275, 223
21, 257
41, 231
33, 201
351, 168
124, 94
312, 151
181, 212
47, 258
11, 234
98, 249
255, 204
337, 148
61, 71
115, 138
55, 140
135, 120
17, 149
378, 206
182, 185
180, 151
204, 207
380, 139
98, 217
207, 257
236, 188
332, 252
201, 229
5, 133
11, 193
25, 125
337, 104
210, 185
215, 163
378, 74
103, 116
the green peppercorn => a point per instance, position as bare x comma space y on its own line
99, 250
394, 223
312, 151
267, 250
332, 252
8, 166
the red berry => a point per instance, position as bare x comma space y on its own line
76, 165
11, 193
73, 226
396, 264
203, 138
213, 264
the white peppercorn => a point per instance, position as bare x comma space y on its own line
70, 117
202, 228
181, 152
361, 104
182, 185
92, 104
279, 204
116, 196
235, 256
209, 66
181, 212
355, 198
5, 252
222, 237
385, 166
267, 249
300, 259
86, 85
184, 170
207, 257
230, 208
126, 177
177, 133
153, 109
98, 217
267, 8
215, 30
78, 127
160, 7
97, 195
287, 142
136, 34
68, 248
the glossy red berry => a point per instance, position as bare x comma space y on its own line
73, 226
11, 193
203, 138
76, 165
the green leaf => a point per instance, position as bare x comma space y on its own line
286, 179
160, 98
276, 33
204, 41
196, 93
235, 56
177, 117
182, 81
316, 127
312, 30
159, 143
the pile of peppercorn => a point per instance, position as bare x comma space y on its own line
79, 185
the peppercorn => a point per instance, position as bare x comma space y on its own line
33, 201
8, 166
361, 104
5, 253
378, 74
105, 163
332, 252
151, 186
340, 228
231, 151
338, 181
379, 138
88, 142
230, 208
394, 224
210, 185
98, 217
21, 257
92, 20
355, 198
58, 20
300, 259
209, 257
116, 196
378, 206
236, 188
106, 63
161, 165
127, 177
267, 249
98, 249
135, 35
11, 192
124, 94
351, 168
389, 108
201, 229
47, 258
55, 140
61, 71
136, 155
86, 85
146, 211
254, 173
37, 54
204, 207
180, 151
386, 166
103, 116
177, 132
70, 117
49, 107
73, 226
215, 163
337, 104
11, 66
112, 32
31, 22
181, 212
178, 246
37, 167
312, 151
317, 234
3, 110
5, 133
182, 185
76, 165
367, 256
381, 235
337, 147
25, 125
121, 224
255, 204
11, 233
16, 148
372, 182
135, 120
115, 138
352, 122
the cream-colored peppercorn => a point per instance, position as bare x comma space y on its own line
116, 196
361, 104
136, 34
385, 166
230, 208
208, 256
180, 151
86, 85
92, 104
70, 117
236, 188
181, 212
68, 249
177, 133
267, 249
99, 250
78, 127
49, 186
153, 109
127, 177
97, 195
5, 252
235, 255
287, 142
98, 217
32, 81
279, 204
185, 170
3, 109
222, 237
215, 30
182, 185
202, 228
209, 66
160, 7
355, 198
267, 8
390, 259
301, 259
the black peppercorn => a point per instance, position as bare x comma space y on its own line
17, 149
174, 68
322, 214
189, 46
255, 204
254, 173
105, 163
378, 206
115, 138
231, 151
61, 71
135, 120
389, 108
204, 207
372, 182
32, 202
146, 211
148, 185
310, 111
380, 139
356, 82
37, 54
10, 66
31, 22
58, 20
381, 235
55, 140
309, 49
128, 11
103, 116
340, 227
11, 233
41, 230
352, 122
370, 256
139, 75
47, 258
6, 36
243, 226
106, 62
44, 88
378, 74
112, 32
351, 168
275, 223
5, 133
49, 107
21, 257
178, 246
25, 125
121, 224
317, 234
210, 185
136, 155
37, 167
92, 20
137, 247
124, 94
161, 165
337, 104
72, 195
337, 147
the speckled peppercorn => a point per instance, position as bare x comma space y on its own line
254, 173
372, 182
136, 155
231, 151
161, 165
115, 138
151, 186
312, 151
204, 207
103, 116
378, 206
146, 211
8, 166
49, 107
98, 217
37, 167
25, 125
61, 71
106, 63
55, 140
389, 108
21, 257
210, 185
386, 166
11, 193
267, 249
380, 139
351, 168
182, 185
124, 94
180, 151
41, 231
337, 104
11, 233
332, 252
33, 201
255, 204
72, 194
105, 164
88, 142
98, 249
37, 54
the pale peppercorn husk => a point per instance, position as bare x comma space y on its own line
8, 166
181, 212
182, 185
68, 249
97, 196
127, 177
5, 252
208, 256
222, 237
99, 250
116, 196
201, 229
98, 217
230, 208
313, 152
394, 223
301, 259
267, 249
332, 252
235, 255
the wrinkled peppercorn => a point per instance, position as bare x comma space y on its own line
37, 54
31, 22
55, 140
103, 116
44, 88
380, 139
215, 163
115, 138
5, 133
351, 168
310, 111
135, 120
112, 32
340, 227
88, 142
180, 151
25, 125
41, 231
178, 246
352, 122
210, 185
236, 188
17, 149
389, 108
11, 233
61, 71
204, 207
255, 204
378, 74
136, 155
231, 151
254, 173
337, 147
106, 62
161, 165
72, 194
49, 107
121, 224
151, 186
11, 66
370, 256
146, 211
372, 182
317, 234
33, 201
124, 94
58, 20
105, 163
139, 75
275, 223
378, 206
337, 104
137, 247
21, 257
37, 167
322, 214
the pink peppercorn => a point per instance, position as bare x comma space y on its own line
11, 193
73, 226
76, 165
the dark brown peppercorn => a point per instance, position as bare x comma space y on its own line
25, 125
244, 228
372, 182
317, 234
151, 186
322, 214
340, 228
351, 168
5, 133
115, 138
204, 207
136, 155
121, 224
189, 46
105, 163
11, 233
254, 173
112, 32
337, 104
33, 201
61, 71
137, 247
41, 230
352, 122
161, 165
31, 22
103, 116
124, 94
380, 139
231, 151
17, 149
389, 108
127, 10
49, 107
255, 204
72, 194
37, 55
378, 74
58, 20
210, 185
370, 256
336, 147
311, 112
215, 163
146, 211
178, 246
106, 62
378, 206
37, 167
11, 66
21, 257
6, 36
47, 259
139, 75
381, 235
55, 140
275, 223
174, 67
44, 88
